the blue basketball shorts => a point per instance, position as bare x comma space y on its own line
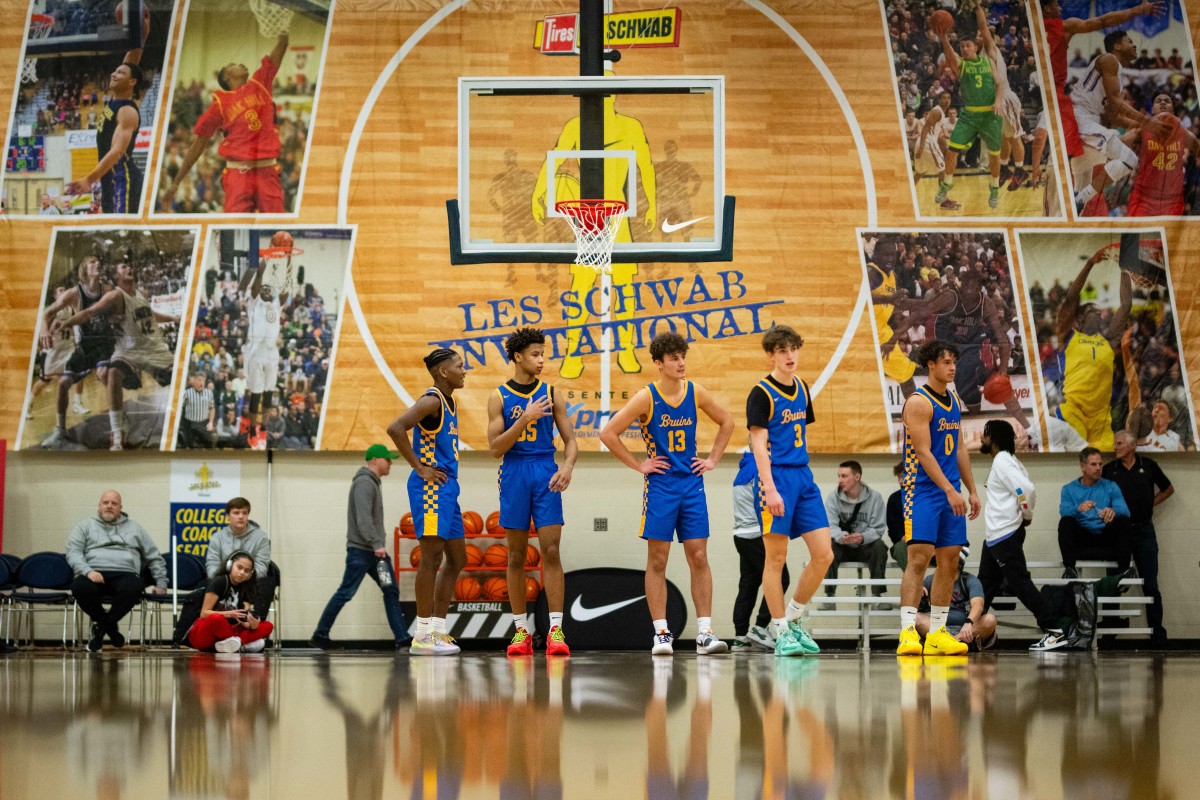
674, 506
525, 494
435, 508
803, 506
928, 518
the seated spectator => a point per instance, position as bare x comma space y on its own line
895, 519
295, 432
108, 554
227, 431
275, 428
228, 622
857, 521
967, 620
242, 535
1094, 516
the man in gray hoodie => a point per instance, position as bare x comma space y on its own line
857, 523
108, 553
242, 533
366, 551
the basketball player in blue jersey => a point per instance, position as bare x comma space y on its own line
778, 412
935, 511
433, 497
673, 499
522, 415
116, 132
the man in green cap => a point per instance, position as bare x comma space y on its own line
366, 550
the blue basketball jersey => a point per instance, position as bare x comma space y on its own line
787, 440
943, 441
538, 437
671, 430
439, 448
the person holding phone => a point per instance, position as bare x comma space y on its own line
227, 622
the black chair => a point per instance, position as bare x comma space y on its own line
45, 583
191, 576
276, 606
8, 583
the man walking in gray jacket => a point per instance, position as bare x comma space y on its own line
857, 522
243, 534
108, 553
366, 550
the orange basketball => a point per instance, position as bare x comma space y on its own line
467, 588
406, 525
472, 523
474, 555
495, 588
533, 556
531, 589
941, 21
281, 239
493, 523
495, 556
997, 389
414, 556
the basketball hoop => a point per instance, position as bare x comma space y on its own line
40, 26
595, 223
1149, 270
279, 252
273, 20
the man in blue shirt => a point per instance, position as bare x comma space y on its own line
1095, 517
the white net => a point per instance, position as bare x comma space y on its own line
40, 26
272, 19
1147, 270
595, 223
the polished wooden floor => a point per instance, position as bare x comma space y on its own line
995, 727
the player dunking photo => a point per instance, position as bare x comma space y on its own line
935, 511
673, 499
117, 125
243, 110
242, 107
261, 348
522, 416
433, 491
778, 413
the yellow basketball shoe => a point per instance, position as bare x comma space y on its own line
910, 642
942, 643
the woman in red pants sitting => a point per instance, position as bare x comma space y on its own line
227, 623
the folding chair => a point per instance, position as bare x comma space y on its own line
8, 583
45, 583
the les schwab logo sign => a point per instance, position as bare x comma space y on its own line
558, 34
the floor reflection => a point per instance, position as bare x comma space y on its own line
1007, 727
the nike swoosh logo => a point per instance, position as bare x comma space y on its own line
578, 612
669, 228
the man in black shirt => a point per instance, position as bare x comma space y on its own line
1143, 485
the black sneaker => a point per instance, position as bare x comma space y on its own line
96, 643
323, 643
117, 639
6, 649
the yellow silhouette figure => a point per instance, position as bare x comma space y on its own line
620, 133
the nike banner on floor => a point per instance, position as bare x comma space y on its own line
605, 609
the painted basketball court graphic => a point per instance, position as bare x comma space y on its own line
812, 147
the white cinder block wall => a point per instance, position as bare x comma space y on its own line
46, 493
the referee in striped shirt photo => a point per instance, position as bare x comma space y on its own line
199, 414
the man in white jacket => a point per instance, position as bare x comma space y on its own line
1010, 500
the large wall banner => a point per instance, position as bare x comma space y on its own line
370, 181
